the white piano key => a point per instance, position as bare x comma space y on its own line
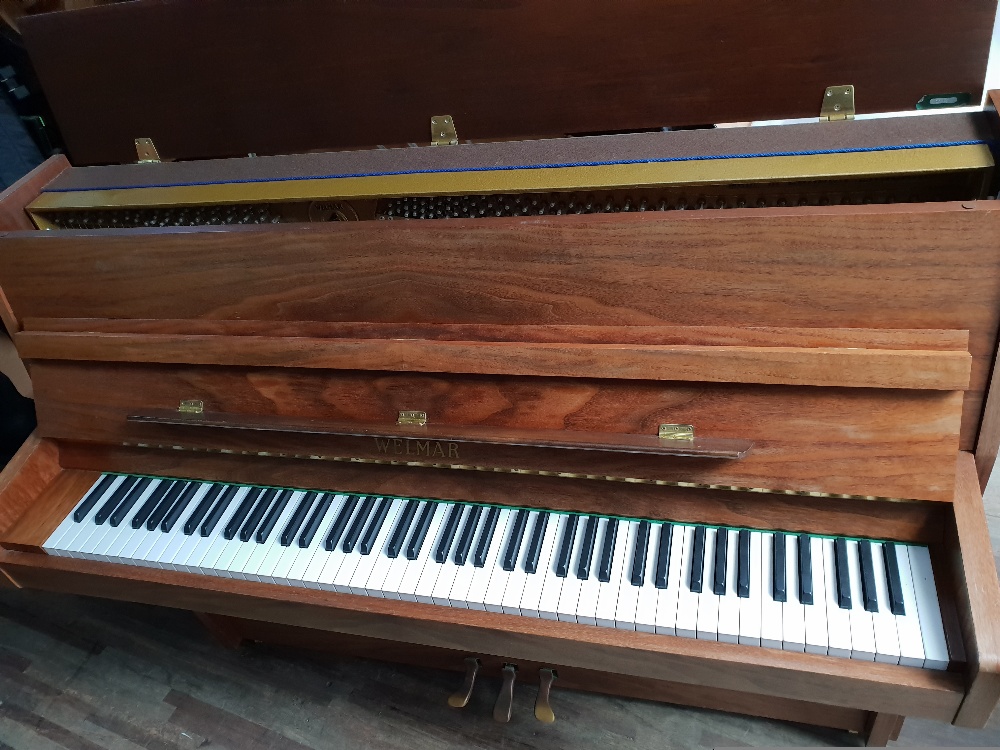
185, 543
76, 543
729, 603
645, 606
448, 570
771, 616
222, 548
116, 536
415, 568
750, 607
911, 642
862, 627
928, 608
793, 614
548, 603
687, 601
377, 579
666, 599
493, 600
627, 594
359, 581
280, 558
459, 594
590, 589
432, 569
310, 562
569, 594
518, 579
197, 559
886, 638
708, 600
69, 528
266, 554
607, 600
478, 586
534, 586
838, 621
340, 565
817, 638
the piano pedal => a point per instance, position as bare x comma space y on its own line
460, 698
505, 701
543, 709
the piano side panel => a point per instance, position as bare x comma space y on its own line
933, 266
855, 441
32, 469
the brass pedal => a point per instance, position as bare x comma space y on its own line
543, 709
504, 706
460, 698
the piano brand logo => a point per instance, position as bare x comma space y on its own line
408, 447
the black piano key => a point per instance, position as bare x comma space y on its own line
514, 540
357, 526
587, 548
255, 516
843, 574
535, 545
663, 555
420, 531
297, 519
151, 502
398, 537
779, 569
202, 509
607, 551
697, 560
315, 519
164, 506
218, 510
566, 546
242, 511
805, 569
182, 502
448, 533
868, 592
892, 579
743, 569
638, 573
112, 503
721, 561
340, 522
486, 537
126, 505
271, 519
468, 534
91, 498
367, 543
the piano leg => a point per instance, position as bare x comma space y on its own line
882, 728
225, 630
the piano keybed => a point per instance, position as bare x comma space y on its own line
862, 599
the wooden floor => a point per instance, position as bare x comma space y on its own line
85, 674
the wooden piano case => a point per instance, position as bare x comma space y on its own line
834, 361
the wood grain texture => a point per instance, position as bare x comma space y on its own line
913, 521
879, 267
882, 728
653, 60
978, 592
28, 473
52, 505
841, 367
889, 443
782, 674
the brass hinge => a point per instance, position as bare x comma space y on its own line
838, 103
191, 407
676, 432
412, 418
145, 149
443, 131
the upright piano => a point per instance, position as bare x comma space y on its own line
700, 416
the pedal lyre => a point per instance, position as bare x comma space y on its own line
461, 698
543, 709
505, 701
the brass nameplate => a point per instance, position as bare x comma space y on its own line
417, 448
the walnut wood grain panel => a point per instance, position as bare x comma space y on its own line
890, 443
509, 69
49, 509
912, 521
26, 475
881, 728
838, 367
845, 267
783, 674
978, 596
570, 678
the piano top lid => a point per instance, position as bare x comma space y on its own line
215, 78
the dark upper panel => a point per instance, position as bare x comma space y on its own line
210, 78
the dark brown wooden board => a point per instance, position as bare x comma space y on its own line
207, 78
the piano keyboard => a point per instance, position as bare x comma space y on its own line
854, 598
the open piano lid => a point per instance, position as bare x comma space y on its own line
216, 78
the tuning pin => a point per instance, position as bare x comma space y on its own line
543, 709
505, 701
461, 698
